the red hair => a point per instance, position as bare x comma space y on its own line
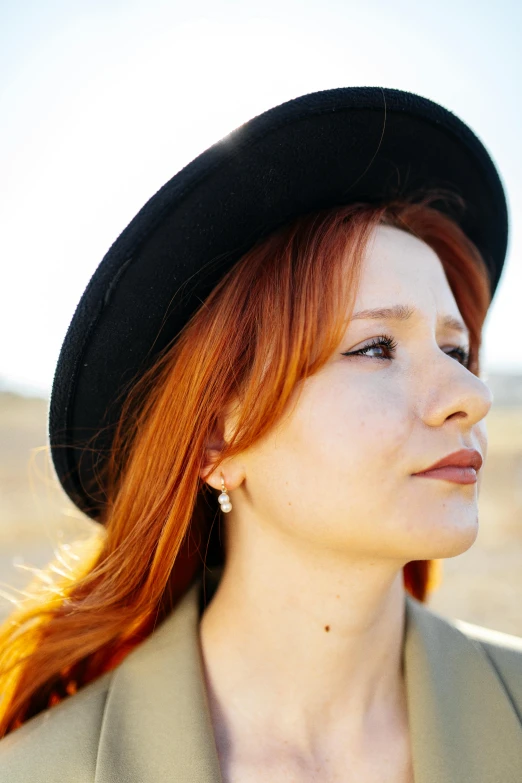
289, 294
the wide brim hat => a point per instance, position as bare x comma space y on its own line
319, 150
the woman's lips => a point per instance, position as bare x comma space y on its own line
452, 473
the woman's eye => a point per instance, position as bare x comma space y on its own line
463, 354
388, 345
384, 342
375, 348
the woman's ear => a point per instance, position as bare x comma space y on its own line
229, 469
213, 449
208, 473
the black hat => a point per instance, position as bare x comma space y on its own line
319, 150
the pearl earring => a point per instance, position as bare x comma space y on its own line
224, 500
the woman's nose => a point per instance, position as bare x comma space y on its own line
455, 393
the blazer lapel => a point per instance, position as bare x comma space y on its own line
157, 726
463, 726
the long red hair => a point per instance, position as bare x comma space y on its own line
272, 320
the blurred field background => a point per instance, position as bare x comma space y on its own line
481, 586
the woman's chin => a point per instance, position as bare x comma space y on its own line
454, 538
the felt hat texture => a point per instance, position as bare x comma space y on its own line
323, 149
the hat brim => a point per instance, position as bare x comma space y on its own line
328, 148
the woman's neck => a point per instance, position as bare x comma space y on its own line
305, 649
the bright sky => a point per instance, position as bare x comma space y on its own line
102, 102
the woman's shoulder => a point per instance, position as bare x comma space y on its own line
60, 743
114, 720
504, 651
459, 643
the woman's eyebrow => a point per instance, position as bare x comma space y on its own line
404, 312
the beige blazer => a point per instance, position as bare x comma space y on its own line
148, 721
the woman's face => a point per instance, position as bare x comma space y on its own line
337, 471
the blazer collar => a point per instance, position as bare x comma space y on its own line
157, 726
463, 725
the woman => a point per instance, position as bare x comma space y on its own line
290, 329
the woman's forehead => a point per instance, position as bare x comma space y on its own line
404, 278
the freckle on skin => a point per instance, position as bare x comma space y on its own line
326, 627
